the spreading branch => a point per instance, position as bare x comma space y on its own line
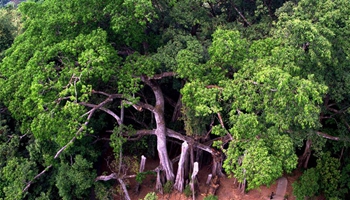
115, 116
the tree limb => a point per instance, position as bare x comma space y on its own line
325, 135
65, 146
162, 75
174, 134
106, 178
240, 14
37, 176
115, 116
223, 126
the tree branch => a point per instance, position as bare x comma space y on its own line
240, 14
115, 116
189, 140
65, 146
37, 176
162, 75
223, 126
325, 135
106, 178
91, 112
139, 134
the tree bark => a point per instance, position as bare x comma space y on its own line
161, 129
159, 184
304, 159
209, 179
214, 185
142, 168
193, 179
179, 182
217, 155
127, 197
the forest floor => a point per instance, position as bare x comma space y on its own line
228, 190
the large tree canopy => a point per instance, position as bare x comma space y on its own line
247, 82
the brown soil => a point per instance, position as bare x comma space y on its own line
227, 190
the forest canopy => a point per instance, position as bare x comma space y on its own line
255, 88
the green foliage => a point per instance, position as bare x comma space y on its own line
211, 197
329, 172
344, 177
72, 181
10, 27
259, 162
325, 178
140, 177
117, 141
274, 76
103, 191
151, 196
307, 185
17, 172
168, 187
194, 125
262, 87
188, 191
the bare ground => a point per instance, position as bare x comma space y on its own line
227, 190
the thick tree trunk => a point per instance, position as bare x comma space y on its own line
161, 130
217, 164
164, 160
304, 159
180, 179
217, 155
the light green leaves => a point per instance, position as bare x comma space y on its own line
260, 160
262, 95
17, 172
228, 49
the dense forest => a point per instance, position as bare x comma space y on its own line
253, 89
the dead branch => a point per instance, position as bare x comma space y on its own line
325, 135
106, 178
240, 14
65, 146
90, 112
37, 176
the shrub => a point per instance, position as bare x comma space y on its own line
211, 197
307, 185
151, 196
187, 191
168, 187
